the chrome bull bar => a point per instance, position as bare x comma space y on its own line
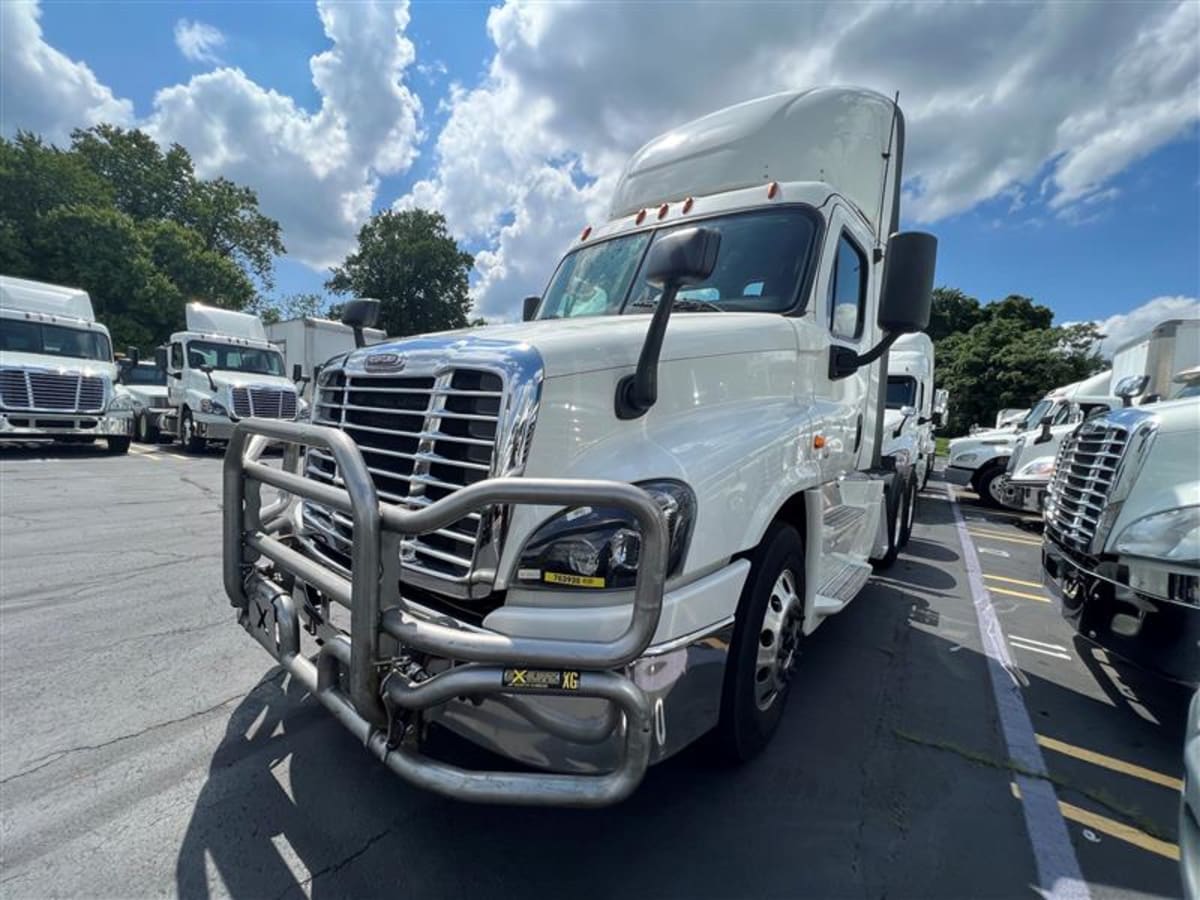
485, 663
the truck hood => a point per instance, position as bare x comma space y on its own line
249, 379
62, 364
598, 343
996, 436
146, 394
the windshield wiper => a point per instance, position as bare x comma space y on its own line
687, 304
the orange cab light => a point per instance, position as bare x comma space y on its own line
687, 205
586, 232
772, 190
662, 210
641, 217
819, 442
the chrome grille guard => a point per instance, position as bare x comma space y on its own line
381, 620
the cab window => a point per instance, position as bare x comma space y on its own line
847, 290
177, 356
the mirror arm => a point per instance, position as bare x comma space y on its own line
843, 361
638, 392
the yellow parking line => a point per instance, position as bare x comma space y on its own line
1022, 594
992, 536
1110, 762
1112, 828
178, 456
1035, 584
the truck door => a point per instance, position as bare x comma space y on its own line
845, 301
175, 387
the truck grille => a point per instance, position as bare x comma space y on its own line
422, 438
264, 403
46, 391
1083, 477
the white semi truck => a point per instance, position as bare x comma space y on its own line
220, 370
308, 343
1151, 361
983, 459
1121, 549
57, 373
586, 540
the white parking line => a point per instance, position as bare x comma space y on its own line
1019, 645
1058, 868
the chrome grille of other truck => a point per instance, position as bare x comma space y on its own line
1084, 471
51, 392
264, 402
422, 437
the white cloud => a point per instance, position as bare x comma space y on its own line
199, 41
1121, 328
41, 89
996, 97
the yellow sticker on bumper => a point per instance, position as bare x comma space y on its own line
541, 679
572, 580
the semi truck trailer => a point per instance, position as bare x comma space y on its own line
308, 343
587, 539
57, 373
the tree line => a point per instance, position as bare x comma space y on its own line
132, 224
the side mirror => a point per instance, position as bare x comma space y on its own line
297, 372
529, 308
360, 313
907, 295
683, 257
208, 370
1130, 386
1045, 433
938, 419
160, 358
908, 411
904, 302
134, 355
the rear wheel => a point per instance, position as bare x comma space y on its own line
989, 483
766, 644
187, 434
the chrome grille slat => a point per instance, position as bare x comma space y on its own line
34, 391
263, 402
1084, 471
429, 435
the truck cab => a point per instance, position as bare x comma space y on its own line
1031, 465
586, 539
983, 459
57, 372
220, 370
145, 384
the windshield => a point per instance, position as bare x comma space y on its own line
233, 358
1036, 415
901, 391
23, 336
1192, 390
760, 266
144, 375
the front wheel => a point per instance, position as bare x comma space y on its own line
893, 502
118, 445
908, 512
187, 434
989, 483
766, 644
146, 433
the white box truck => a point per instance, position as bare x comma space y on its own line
57, 373
308, 343
220, 370
585, 540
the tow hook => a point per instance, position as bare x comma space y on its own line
403, 725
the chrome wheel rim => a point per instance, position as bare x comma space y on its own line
995, 488
912, 511
897, 526
778, 640
187, 430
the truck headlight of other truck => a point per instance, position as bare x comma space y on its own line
213, 407
599, 547
1173, 535
1038, 468
122, 403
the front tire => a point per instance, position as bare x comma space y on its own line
989, 482
908, 511
766, 644
118, 445
893, 502
146, 433
187, 434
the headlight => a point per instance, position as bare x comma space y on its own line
302, 409
1039, 468
212, 407
600, 546
122, 403
1173, 535
963, 458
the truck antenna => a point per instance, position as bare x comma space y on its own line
887, 168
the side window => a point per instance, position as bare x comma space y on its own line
177, 356
847, 290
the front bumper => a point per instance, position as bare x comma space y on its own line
1159, 635
1028, 496
396, 669
211, 427
958, 475
22, 425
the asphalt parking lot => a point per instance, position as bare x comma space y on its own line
948, 736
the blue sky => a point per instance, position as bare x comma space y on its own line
548, 101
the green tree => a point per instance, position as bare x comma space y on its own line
952, 312
409, 261
292, 306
